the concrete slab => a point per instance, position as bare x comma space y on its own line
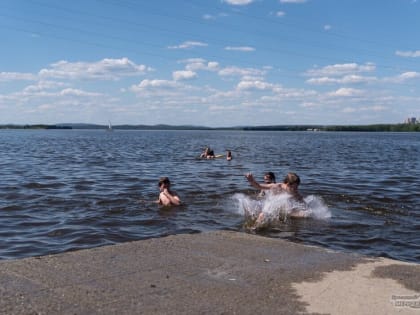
209, 273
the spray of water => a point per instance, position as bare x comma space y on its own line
278, 207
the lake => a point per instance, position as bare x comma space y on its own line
64, 190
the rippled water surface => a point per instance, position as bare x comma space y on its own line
63, 190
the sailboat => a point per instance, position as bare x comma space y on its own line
109, 126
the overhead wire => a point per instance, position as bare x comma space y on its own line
153, 46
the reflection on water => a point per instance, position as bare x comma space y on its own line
69, 189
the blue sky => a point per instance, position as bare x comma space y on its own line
209, 62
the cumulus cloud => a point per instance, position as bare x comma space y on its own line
16, 76
411, 54
42, 86
188, 45
254, 85
409, 75
183, 75
239, 2
346, 92
153, 84
403, 77
280, 13
240, 48
196, 64
106, 69
341, 69
77, 92
348, 79
236, 71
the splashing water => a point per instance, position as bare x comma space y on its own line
278, 207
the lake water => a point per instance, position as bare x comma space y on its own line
64, 190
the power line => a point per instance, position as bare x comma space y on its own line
150, 27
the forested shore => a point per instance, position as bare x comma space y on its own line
364, 128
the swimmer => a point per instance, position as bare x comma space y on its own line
166, 196
228, 155
289, 185
207, 154
269, 178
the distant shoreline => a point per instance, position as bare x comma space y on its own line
404, 127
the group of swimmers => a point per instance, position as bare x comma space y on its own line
208, 153
289, 185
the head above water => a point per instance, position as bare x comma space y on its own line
292, 179
269, 177
164, 181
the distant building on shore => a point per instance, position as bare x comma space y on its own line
411, 120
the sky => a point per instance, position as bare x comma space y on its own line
214, 63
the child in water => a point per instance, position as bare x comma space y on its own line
166, 196
296, 205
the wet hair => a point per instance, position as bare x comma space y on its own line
271, 176
292, 178
164, 180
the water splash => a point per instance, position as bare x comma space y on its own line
274, 208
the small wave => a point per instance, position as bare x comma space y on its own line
279, 207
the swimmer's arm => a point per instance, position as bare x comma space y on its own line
255, 184
172, 197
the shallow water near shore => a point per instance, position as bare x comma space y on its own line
64, 190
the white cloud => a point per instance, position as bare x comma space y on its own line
77, 92
16, 76
213, 17
412, 54
156, 83
212, 65
188, 45
240, 48
42, 86
403, 77
106, 69
183, 75
195, 64
236, 71
346, 92
409, 75
327, 27
341, 69
280, 13
374, 108
239, 2
254, 85
348, 79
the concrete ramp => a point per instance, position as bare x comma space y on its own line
209, 273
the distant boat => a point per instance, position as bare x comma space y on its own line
110, 127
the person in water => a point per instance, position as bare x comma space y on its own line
207, 154
269, 178
166, 196
289, 185
228, 155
